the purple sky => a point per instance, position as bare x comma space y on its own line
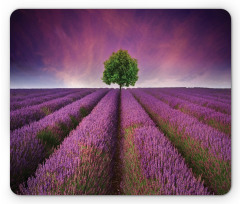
67, 48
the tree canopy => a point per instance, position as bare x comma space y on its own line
121, 69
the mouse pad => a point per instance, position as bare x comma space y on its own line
120, 102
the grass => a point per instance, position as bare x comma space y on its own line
91, 177
215, 173
46, 110
51, 137
83, 112
48, 138
213, 123
134, 181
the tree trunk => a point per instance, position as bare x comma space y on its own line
120, 87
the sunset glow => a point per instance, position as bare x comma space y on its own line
67, 48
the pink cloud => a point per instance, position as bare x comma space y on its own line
171, 46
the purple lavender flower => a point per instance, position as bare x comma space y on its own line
82, 164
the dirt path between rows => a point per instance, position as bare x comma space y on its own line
117, 162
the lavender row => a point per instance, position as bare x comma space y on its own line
22, 94
215, 94
215, 98
162, 162
212, 94
205, 149
37, 100
132, 113
218, 143
204, 91
29, 144
206, 115
83, 162
26, 115
33, 93
133, 182
162, 170
213, 104
208, 95
219, 106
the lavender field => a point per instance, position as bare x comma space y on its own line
141, 141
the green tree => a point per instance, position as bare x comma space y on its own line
121, 69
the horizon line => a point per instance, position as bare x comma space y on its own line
190, 87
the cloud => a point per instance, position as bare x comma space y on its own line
171, 46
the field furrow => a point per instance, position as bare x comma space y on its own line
213, 104
83, 162
24, 94
23, 116
38, 100
213, 98
206, 150
209, 94
143, 141
31, 144
218, 120
151, 165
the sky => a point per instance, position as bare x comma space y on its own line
67, 48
